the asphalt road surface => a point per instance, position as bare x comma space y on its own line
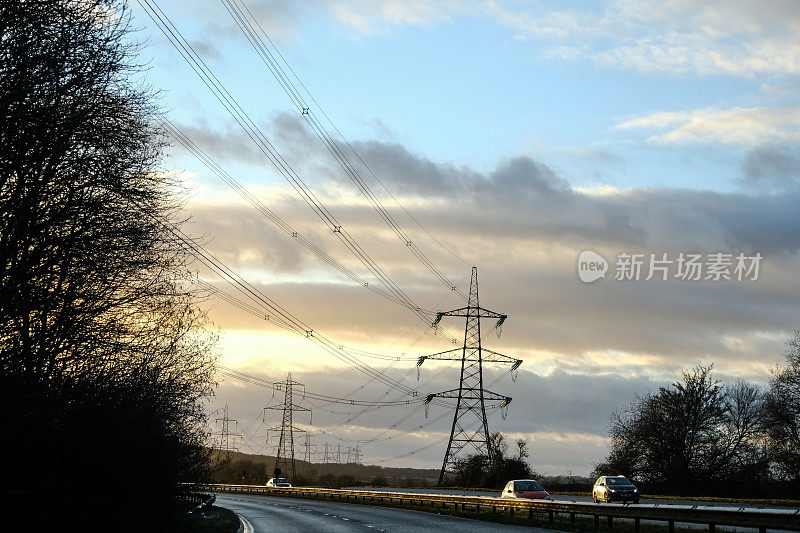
261, 514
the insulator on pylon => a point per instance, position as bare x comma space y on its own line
504, 410
426, 409
514, 374
417, 372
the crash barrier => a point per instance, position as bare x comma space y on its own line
761, 519
200, 500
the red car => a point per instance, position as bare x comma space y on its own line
525, 488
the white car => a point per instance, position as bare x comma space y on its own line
281, 482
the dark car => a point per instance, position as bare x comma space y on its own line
524, 488
614, 489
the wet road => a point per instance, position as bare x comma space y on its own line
263, 513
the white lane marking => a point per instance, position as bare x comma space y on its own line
248, 527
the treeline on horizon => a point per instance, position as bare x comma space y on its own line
247, 469
470, 471
700, 437
104, 365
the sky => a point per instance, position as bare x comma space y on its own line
518, 134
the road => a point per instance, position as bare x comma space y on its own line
265, 513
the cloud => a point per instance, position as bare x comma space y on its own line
587, 348
742, 126
206, 49
224, 143
772, 166
373, 18
525, 214
738, 38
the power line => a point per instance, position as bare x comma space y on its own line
255, 380
243, 18
279, 222
201, 155
208, 78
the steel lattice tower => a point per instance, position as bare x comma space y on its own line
285, 453
224, 437
470, 395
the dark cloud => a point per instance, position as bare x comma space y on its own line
772, 166
206, 49
281, 20
525, 198
226, 144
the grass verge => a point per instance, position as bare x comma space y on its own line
212, 520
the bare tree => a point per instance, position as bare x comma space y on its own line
103, 363
691, 435
783, 413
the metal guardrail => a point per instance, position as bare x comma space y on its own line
761, 519
199, 500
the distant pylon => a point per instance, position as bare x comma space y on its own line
307, 444
285, 453
224, 437
470, 394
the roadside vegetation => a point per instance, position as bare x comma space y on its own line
212, 520
700, 437
103, 361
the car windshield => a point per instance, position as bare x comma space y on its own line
618, 481
527, 485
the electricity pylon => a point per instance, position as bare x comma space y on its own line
470, 394
225, 436
308, 445
285, 453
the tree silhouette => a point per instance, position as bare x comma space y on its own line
103, 363
691, 437
783, 414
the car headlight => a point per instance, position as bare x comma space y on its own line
611, 490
